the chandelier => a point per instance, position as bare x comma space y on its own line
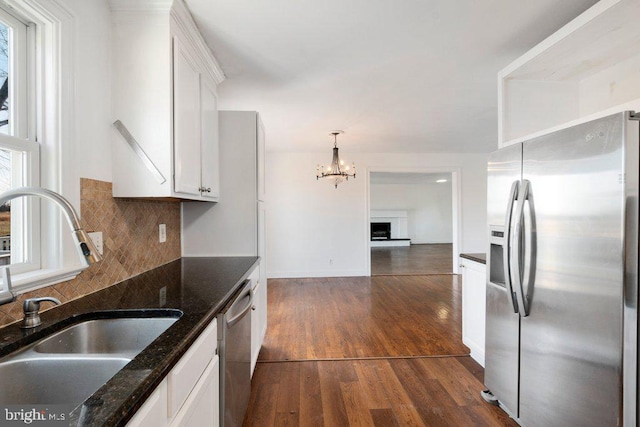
337, 172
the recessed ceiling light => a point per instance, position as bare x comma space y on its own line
441, 180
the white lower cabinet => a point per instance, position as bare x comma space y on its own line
154, 411
474, 290
258, 315
189, 395
201, 408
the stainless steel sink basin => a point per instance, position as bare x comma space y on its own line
106, 336
70, 365
55, 380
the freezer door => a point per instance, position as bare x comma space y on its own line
571, 342
502, 322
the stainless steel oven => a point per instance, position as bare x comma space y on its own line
234, 343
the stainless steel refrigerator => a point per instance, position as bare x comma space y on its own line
562, 276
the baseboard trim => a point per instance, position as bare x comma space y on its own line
314, 274
343, 359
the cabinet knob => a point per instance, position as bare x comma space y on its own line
205, 189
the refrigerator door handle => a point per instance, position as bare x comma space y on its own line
530, 254
513, 193
516, 254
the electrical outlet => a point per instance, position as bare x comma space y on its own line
162, 233
96, 238
163, 296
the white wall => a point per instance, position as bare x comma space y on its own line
428, 207
314, 230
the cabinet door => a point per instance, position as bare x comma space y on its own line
260, 159
262, 241
154, 411
474, 308
210, 141
190, 367
202, 407
186, 121
258, 321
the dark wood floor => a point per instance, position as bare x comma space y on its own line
414, 259
380, 351
383, 392
379, 316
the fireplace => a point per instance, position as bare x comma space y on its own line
380, 230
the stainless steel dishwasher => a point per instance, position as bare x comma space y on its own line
234, 344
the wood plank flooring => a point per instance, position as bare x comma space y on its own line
382, 316
383, 392
379, 351
414, 259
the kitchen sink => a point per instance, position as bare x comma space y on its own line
106, 336
51, 380
70, 365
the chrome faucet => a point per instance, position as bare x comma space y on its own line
86, 250
31, 310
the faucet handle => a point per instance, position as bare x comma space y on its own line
33, 304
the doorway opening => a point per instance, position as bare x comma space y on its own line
413, 222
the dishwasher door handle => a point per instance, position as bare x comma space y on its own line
235, 319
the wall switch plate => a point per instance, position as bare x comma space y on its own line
163, 233
96, 238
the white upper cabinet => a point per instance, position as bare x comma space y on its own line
261, 160
587, 69
186, 121
210, 177
164, 93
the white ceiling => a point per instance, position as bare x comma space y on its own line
396, 76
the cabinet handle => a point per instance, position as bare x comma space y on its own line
139, 152
205, 190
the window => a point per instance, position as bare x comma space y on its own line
19, 151
34, 140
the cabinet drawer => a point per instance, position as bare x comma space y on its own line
186, 373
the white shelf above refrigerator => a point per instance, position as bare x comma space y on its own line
587, 69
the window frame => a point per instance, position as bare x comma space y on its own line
21, 141
53, 74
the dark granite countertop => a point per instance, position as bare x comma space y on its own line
478, 257
198, 287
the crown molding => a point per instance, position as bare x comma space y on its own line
141, 5
183, 19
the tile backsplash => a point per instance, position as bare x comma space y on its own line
130, 238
